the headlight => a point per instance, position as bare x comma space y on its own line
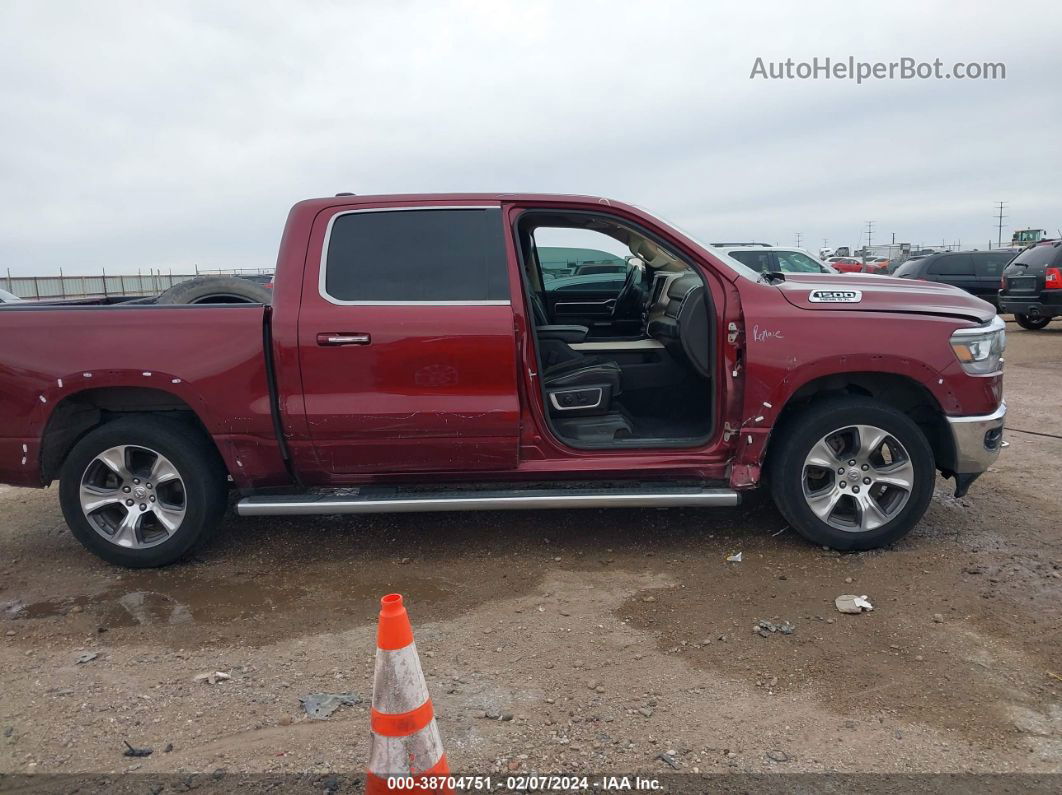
980, 350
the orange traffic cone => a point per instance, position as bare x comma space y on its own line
405, 740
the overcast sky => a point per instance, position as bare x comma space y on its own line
149, 134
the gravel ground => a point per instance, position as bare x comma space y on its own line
587, 641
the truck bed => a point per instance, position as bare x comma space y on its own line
206, 358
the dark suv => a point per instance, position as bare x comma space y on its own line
1031, 287
976, 272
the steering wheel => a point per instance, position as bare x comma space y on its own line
632, 296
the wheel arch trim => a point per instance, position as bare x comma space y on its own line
97, 390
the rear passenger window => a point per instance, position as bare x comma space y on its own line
952, 265
417, 255
1039, 256
990, 265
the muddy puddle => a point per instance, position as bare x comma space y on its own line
176, 603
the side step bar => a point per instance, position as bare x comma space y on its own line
398, 501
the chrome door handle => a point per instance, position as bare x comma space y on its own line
342, 338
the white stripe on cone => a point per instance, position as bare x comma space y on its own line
398, 682
403, 756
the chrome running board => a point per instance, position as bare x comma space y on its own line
377, 500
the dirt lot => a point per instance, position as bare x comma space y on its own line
595, 641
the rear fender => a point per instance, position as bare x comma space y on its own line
51, 396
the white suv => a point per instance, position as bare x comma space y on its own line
761, 257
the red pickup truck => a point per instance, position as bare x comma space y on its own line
414, 358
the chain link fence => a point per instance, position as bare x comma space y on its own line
105, 285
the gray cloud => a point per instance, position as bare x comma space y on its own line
166, 135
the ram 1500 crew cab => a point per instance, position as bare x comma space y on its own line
414, 358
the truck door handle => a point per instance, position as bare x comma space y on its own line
342, 338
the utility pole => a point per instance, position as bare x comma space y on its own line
894, 238
798, 239
999, 242
870, 232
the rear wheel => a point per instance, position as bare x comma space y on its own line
1031, 323
141, 492
852, 473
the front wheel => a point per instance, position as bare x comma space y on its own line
1031, 323
852, 473
142, 491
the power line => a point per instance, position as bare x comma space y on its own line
1001, 217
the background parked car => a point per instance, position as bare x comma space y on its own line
976, 272
877, 265
845, 264
8, 298
1031, 286
777, 258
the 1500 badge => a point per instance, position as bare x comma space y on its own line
836, 296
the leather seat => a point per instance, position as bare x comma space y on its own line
583, 368
684, 327
582, 387
587, 370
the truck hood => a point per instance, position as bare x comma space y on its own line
871, 293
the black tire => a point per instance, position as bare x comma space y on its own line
216, 290
802, 431
1031, 323
201, 471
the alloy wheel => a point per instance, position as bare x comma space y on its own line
857, 478
133, 496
